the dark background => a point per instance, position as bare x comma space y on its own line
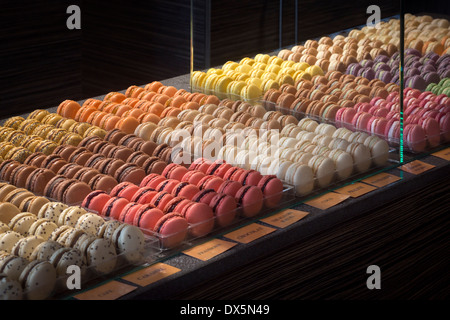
122, 43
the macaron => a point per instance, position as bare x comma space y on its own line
272, 189
204, 196
38, 280
152, 180
129, 241
8, 240
96, 200
10, 289
129, 211
174, 171
193, 176
172, 230
210, 182
70, 215
146, 218
250, 200
114, 207
144, 195
224, 207
90, 223
130, 172
161, 199
200, 218
12, 265
186, 190
52, 210
101, 255
64, 257
38, 179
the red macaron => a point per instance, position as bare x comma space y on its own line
96, 201
224, 207
272, 189
114, 207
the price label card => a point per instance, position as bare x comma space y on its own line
443, 154
151, 274
356, 189
109, 291
381, 179
285, 218
249, 233
327, 200
416, 167
210, 249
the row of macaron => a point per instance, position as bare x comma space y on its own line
343, 154
423, 33
419, 71
442, 87
137, 105
41, 174
51, 126
47, 216
209, 194
61, 236
336, 55
18, 144
386, 107
333, 88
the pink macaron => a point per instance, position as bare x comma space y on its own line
193, 177
377, 126
229, 187
152, 180
96, 201
250, 200
125, 190
210, 182
114, 207
360, 120
432, 131
174, 171
344, 117
225, 209
272, 189
185, 190
171, 230
146, 218
414, 137
204, 196
250, 177
200, 217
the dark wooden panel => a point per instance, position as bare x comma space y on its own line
40, 57
137, 42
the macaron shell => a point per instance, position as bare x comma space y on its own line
224, 207
147, 217
101, 256
272, 188
250, 200
171, 230
129, 241
200, 218
7, 212
38, 280
114, 207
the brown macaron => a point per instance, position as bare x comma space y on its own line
38, 179
20, 174
102, 182
130, 172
